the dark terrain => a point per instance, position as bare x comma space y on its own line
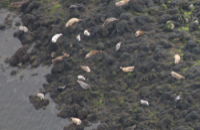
114, 96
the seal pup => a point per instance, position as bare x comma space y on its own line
177, 58
127, 69
40, 95
78, 37
118, 46
177, 75
108, 20
55, 37
81, 77
86, 33
17, 4
91, 53
83, 84
23, 28
121, 3
144, 102
139, 33
77, 121
86, 68
60, 58
72, 21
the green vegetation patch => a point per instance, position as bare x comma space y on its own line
197, 63
184, 28
185, 69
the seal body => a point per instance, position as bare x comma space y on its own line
55, 37
139, 33
177, 75
177, 58
83, 84
78, 37
81, 77
72, 21
121, 3
77, 121
23, 28
91, 53
41, 96
86, 68
108, 20
178, 98
86, 33
60, 58
118, 46
61, 88
127, 69
144, 102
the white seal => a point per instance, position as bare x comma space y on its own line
55, 37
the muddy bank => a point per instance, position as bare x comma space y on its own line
171, 27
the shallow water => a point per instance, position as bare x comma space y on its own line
16, 112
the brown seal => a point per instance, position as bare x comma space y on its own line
108, 20
91, 53
86, 68
60, 58
139, 32
177, 58
127, 69
121, 3
177, 75
72, 21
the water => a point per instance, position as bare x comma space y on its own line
16, 112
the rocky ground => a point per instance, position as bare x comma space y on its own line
114, 96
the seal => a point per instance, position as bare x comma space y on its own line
60, 58
72, 21
127, 69
178, 98
81, 77
118, 46
83, 84
55, 37
177, 75
108, 20
78, 37
139, 33
86, 33
23, 28
177, 58
40, 95
77, 121
121, 3
85, 68
91, 53
144, 102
